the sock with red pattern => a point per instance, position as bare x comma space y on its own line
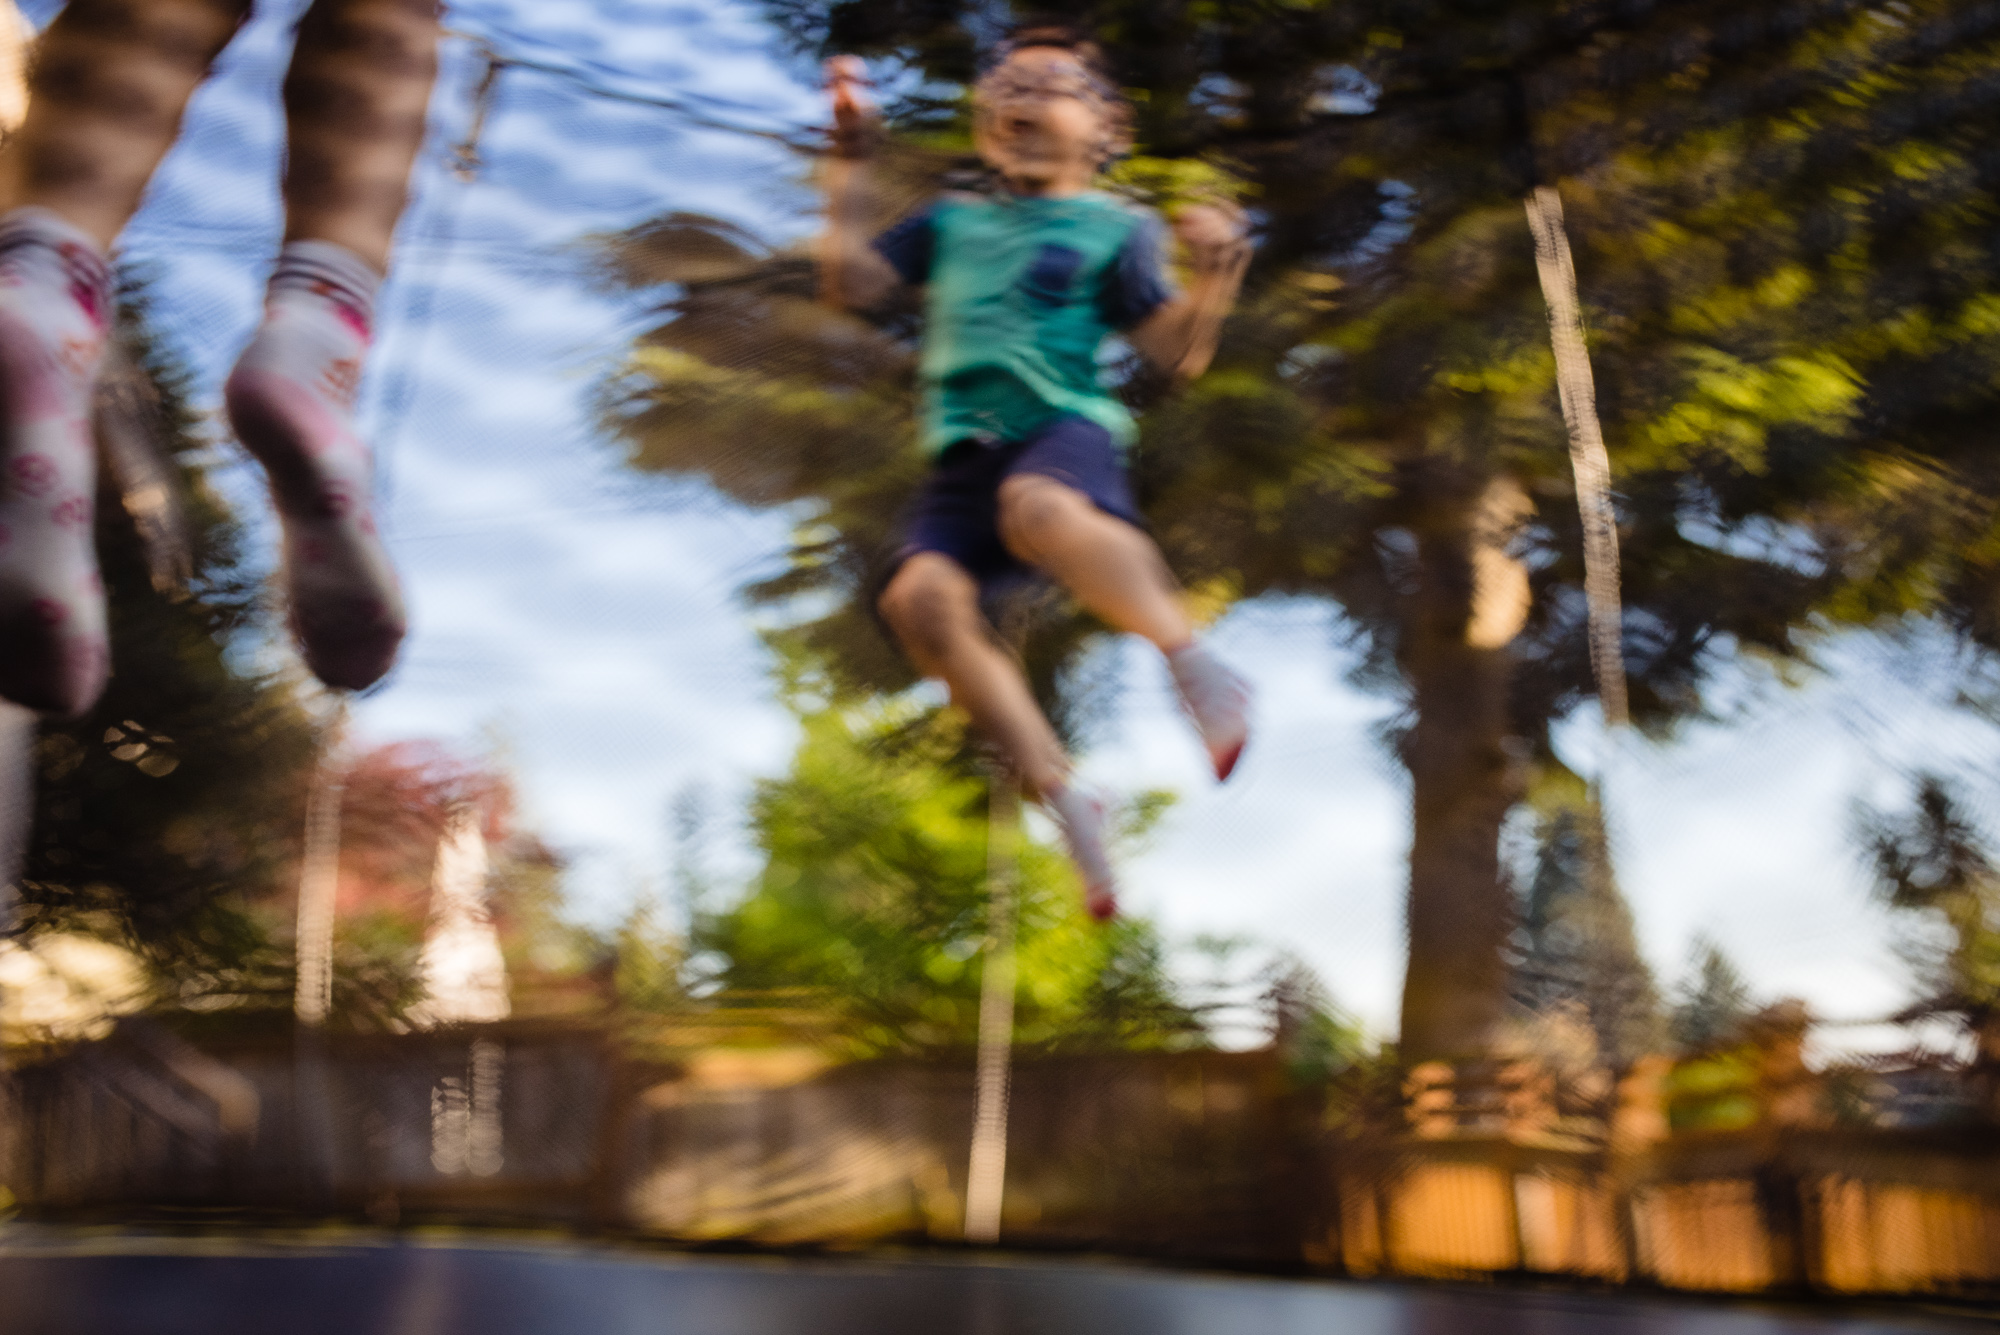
55, 311
291, 402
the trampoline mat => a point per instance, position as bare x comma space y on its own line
110, 1284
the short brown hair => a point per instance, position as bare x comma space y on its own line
1063, 37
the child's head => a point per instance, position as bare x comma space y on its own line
1047, 115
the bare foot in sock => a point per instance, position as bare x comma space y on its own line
291, 402
1217, 700
1080, 815
55, 306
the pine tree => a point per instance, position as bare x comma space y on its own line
1935, 861
1715, 1001
1578, 940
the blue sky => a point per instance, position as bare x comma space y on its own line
584, 621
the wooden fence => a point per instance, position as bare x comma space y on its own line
1194, 1156
496, 1122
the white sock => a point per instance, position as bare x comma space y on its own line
291, 401
1080, 815
1216, 699
55, 312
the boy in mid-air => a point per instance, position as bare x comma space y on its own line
1021, 287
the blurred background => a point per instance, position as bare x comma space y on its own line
662, 895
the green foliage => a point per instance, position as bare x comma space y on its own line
1715, 1092
1169, 183
1728, 407
649, 961
376, 970
1319, 1041
1935, 863
1577, 940
556, 965
1714, 1003
872, 904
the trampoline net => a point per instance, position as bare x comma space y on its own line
1452, 978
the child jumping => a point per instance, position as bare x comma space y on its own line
1021, 287
109, 80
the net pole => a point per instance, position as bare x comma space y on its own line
319, 878
319, 881
1591, 463
986, 1173
1588, 458
17, 815
17, 725
17, 804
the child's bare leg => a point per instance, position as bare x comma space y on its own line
355, 100
107, 87
1117, 572
932, 604
1106, 564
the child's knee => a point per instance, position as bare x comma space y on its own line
1035, 509
922, 604
907, 600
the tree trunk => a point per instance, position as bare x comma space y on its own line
1471, 602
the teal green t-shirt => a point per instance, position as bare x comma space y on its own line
1019, 294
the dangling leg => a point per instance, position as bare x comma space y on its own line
1116, 571
355, 100
108, 84
932, 604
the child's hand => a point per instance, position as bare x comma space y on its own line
1216, 236
855, 119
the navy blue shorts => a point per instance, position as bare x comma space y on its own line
957, 512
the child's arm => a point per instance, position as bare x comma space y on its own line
851, 275
1181, 335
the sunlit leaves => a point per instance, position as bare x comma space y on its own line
1728, 407
872, 905
1168, 183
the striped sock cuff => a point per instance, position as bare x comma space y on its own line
30, 228
332, 270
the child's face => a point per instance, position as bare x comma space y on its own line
1041, 120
